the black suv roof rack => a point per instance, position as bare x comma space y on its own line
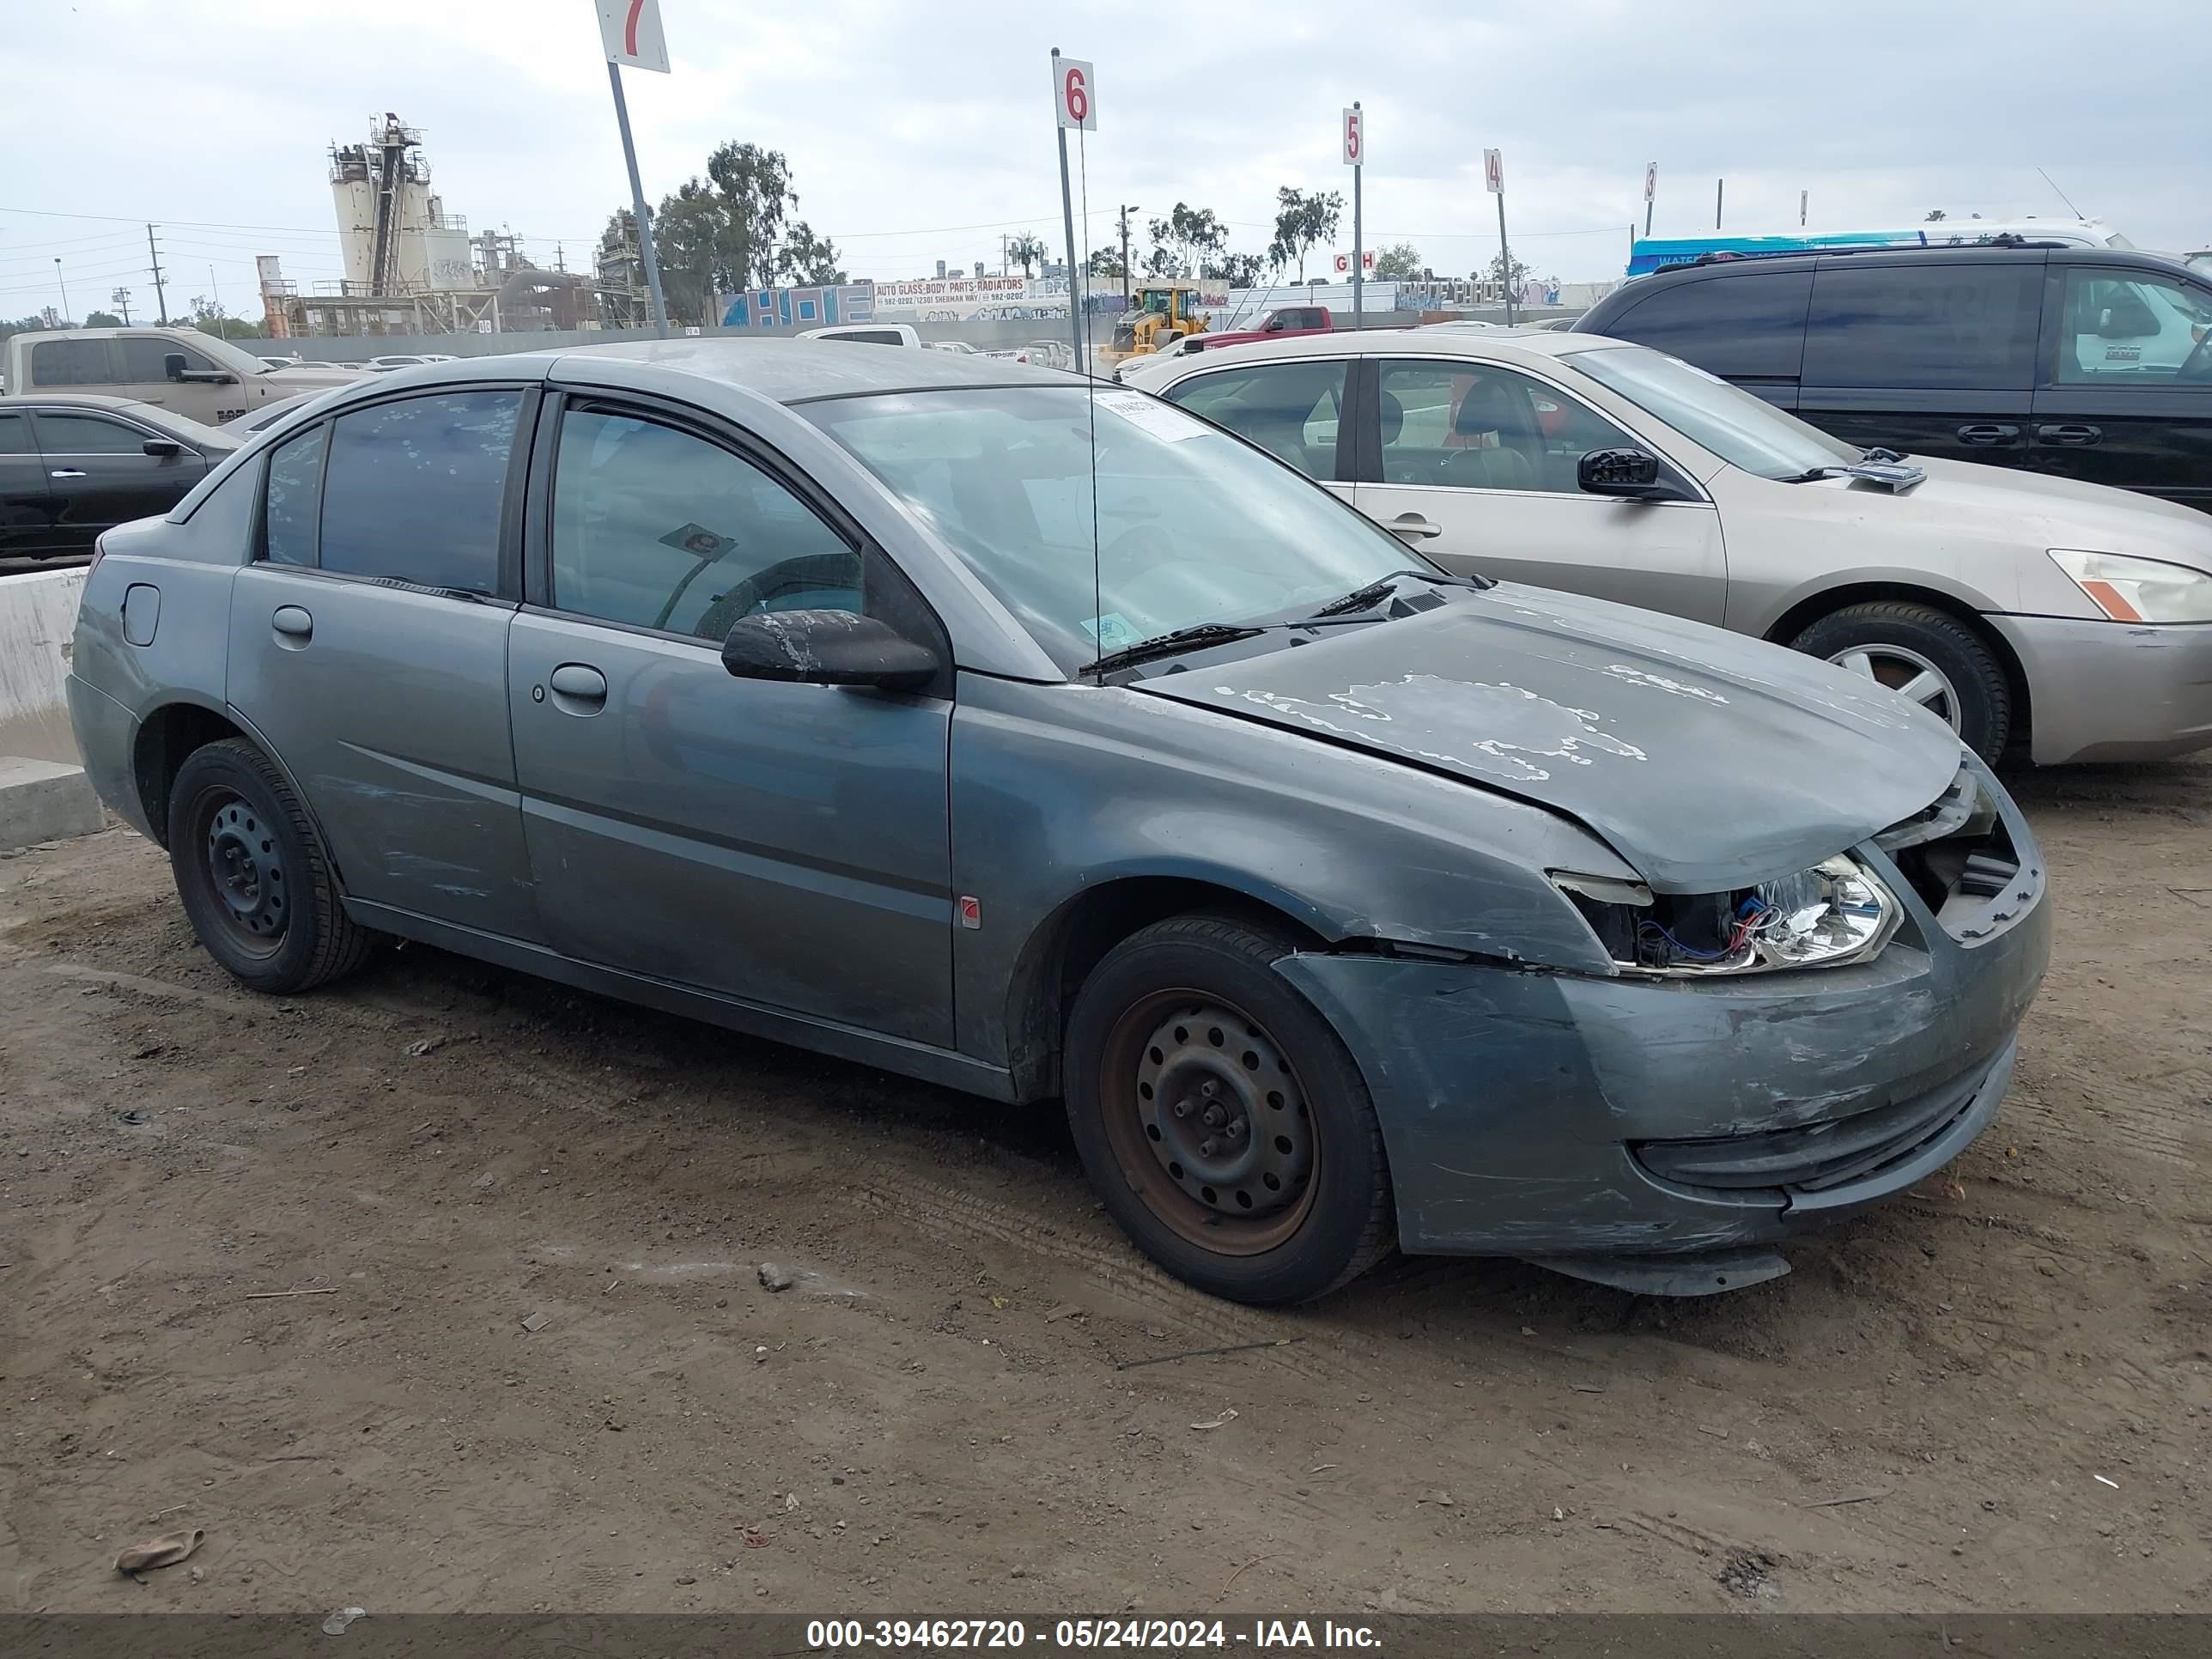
1724, 257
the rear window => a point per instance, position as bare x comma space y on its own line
1745, 327
870, 337
71, 362
1931, 323
414, 491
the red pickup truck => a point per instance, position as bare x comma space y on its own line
1277, 325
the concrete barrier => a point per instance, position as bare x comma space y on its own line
37, 620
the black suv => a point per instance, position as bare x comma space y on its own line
2087, 363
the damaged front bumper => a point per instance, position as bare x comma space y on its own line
1566, 1118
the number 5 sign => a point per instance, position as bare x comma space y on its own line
1355, 136
1076, 94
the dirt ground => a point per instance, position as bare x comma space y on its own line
535, 1368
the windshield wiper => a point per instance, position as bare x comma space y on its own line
1169, 645
1366, 599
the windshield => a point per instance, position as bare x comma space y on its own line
1159, 302
1743, 430
1192, 526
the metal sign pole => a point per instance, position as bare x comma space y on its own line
1355, 153
1073, 105
1505, 255
1067, 224
637, 206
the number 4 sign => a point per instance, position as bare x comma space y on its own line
1355, 136
1076, 94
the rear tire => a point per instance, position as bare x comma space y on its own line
1928, 654
1270, 1185
255, 881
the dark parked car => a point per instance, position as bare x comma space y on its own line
2086, 363
72, 467
937, 713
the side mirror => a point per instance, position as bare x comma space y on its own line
163, 446
1631, 474
174, 366
826, 648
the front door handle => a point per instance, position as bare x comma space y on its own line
578, 688
1412, 527
2071, 433
65, 472
1988, 432
293, 623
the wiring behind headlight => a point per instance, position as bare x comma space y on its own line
2132, 590
1837, 911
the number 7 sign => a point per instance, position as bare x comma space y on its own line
1355, 136
1076, 95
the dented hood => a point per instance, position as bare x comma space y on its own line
1707, 760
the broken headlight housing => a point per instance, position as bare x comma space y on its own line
1837, 911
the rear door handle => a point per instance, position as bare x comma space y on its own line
1988, 432
1412, 527
578, 688
2069, 433
293, 623
65, 472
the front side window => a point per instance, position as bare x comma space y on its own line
1744, 430
659, 528
1947, 326
88, 434
2120, 328
295, 486
1185, 524
414, 490
71, 362
1289, 410
1476, 426
145, 359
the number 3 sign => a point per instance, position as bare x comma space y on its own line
1076, 94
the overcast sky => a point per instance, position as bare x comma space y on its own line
919, 131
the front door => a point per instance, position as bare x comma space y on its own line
26, 515
783, 844
100, 474
1478, 465
368, 646
2126, 397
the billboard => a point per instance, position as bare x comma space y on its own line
796, 308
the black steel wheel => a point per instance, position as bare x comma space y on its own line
251, 871
1221, 1118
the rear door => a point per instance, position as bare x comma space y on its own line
2126, 392
100, 474
27, 516
787, 845
1477, 469
368, 647
1924, 354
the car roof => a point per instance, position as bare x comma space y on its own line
93, 402
1500, 344
798, 371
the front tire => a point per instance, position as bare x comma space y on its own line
1928, 655
1221, 1118
255, 881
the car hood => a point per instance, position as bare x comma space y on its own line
2039, 510
307, 378
1707, 761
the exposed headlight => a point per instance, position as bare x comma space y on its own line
1837, 911
2133, 590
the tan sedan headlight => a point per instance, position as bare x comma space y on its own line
1837, 911
2132, 590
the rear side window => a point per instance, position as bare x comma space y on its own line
1289, 410
1748, 328
16, 436
295, 485
414, 491
71, 362
1937, 325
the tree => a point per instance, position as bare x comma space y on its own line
211, 318
1161, 262
1301, 223
806, 259
1027, 252
691, 239
102, 320
1105, 262
1239, 270
1403, 260
1937, 215
1502, 278
723, 232
755, 188
1191, 234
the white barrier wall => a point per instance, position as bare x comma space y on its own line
38, 618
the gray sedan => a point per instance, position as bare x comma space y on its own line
1045, 741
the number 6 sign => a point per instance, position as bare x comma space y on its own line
1355, 136
1076, 94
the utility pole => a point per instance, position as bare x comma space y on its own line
1127, 208
64, 288
121, 300
160, 297
1720, 188
215, 287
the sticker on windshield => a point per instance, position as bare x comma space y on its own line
1111, 631
1161, 420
